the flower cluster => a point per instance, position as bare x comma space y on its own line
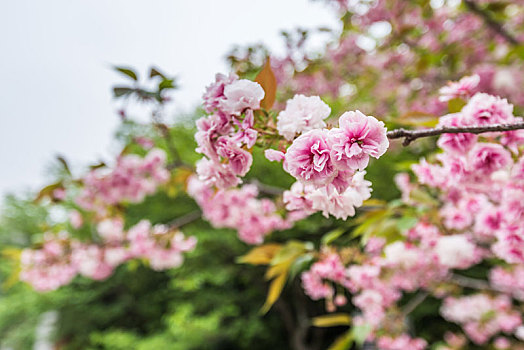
328, 163
224, 135
509, 280
478, 180
302, 114
315, 281
238, 209
482, 316
130, 180
61, 258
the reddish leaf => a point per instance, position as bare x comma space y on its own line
266, 78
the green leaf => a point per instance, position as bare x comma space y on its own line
455, 105
166, 84
261, 255
360, 333
120, 91
47, 191
97, 166
406, 222
332, 235
127, 72
275, 289
156, 73
63, 161
344, 342
300, 264
422, 197
289, 252
332, 320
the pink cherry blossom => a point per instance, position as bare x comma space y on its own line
458, 143
463, 88
308, 159
302, 114
484, 109
240, 95
486, 158
215, 92
239, 160
215, 174
274, 156
456, 251
356, 139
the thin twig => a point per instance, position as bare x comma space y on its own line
268, 189
472, 283
413, 303
185, 219
491, 22
164, 130
411, 135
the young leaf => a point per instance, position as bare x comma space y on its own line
275, 289
332, 320
266, 78
128, 72
455, 105
47, 191
406, 222
260, 255
300, 264
63, 161
120, 91
156, 73
332, 235
290, 252
360, 333
97, 166
166, 84
343, 342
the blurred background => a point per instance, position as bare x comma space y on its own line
57, 56
58, 98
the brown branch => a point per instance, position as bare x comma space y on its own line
413, 303
411, 135
267, 189
185, 219
164, 131
472, 283
491, 22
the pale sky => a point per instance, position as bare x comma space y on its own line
55, 56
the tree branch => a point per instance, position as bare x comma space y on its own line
267, 189
491, 22
164, 131
185, 219
411, 135
413, 303
472, 283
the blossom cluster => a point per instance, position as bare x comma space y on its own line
61, 257
224, 135
131, 180
482, 316
328, 164
238, 209
478, 180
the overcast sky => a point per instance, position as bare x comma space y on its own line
55, 56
